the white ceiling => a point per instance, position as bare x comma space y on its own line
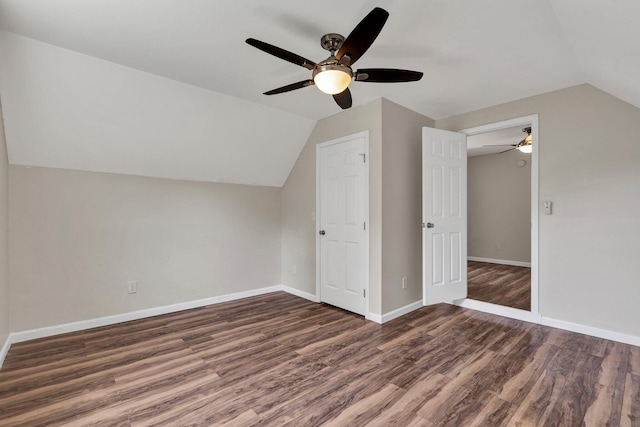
473, 55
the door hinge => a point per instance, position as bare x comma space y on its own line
364, 155
364, 225
364, 293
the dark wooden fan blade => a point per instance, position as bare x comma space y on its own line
292, 86
282, 54
387, 75
362, 36
510, 149
343, 99
501, 145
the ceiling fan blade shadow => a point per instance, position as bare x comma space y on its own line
362, 36
281, 53
343, 99
292, 86
387, 75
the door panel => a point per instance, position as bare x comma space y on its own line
444, 186
342, 215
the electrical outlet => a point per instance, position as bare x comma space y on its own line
294, 270
404, 283
132, 287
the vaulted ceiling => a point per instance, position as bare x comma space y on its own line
170, 89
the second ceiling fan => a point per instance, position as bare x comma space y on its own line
524, 146
334, 74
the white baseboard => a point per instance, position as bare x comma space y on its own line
5, 349
592, 331
498, 310
500, 261
401, 311
299, 293
16, 337
527, 316
394, 314
374, 317
31, 334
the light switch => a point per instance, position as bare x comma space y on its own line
547, 207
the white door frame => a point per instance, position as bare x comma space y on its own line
534, 314
365, 135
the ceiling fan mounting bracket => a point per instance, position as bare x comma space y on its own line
331, 42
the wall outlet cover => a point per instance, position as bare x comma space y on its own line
132, 287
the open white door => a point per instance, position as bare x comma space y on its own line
444, 216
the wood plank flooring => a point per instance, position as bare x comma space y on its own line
281, 360
505, 285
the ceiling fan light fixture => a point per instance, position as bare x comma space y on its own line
526, 146
527, 149
332, 78
334, 75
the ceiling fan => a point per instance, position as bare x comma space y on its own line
334, 74
525, 146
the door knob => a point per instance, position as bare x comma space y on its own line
430, 225
321, 232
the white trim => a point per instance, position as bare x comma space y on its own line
394, 314
533, 121
16, 337
5, 349
301, 294
592, 331
499, 261
374, 317
526, 316
48, 331
365, 135
498, 310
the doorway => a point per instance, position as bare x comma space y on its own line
499, 218
512, 257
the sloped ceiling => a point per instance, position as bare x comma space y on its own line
169, 88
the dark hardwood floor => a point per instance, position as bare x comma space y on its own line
506, 285
281, 360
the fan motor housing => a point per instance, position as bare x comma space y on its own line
330, 64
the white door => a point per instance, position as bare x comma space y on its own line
343, 200
444, 215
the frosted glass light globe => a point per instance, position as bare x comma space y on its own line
332, 81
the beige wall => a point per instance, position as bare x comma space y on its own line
401, 204
394, 203
4, 277
76, 238
299, 201
590, 169
499, 206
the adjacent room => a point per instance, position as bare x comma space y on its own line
415, 213
499, 218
